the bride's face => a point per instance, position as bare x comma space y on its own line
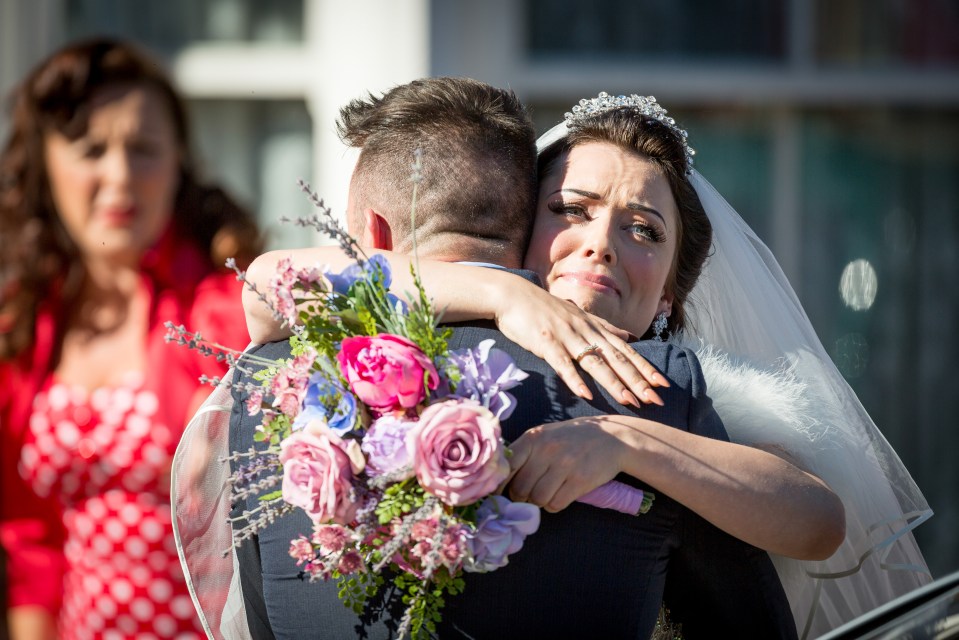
605, 234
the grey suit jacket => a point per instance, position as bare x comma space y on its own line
587, 572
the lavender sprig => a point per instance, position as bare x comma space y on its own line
329, 225
193, 340
262, 297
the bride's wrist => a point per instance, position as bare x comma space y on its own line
498, 290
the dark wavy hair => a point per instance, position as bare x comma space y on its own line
628, 129
37, 256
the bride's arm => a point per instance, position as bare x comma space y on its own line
552, 329
751, 494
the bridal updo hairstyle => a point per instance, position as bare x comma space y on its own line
38, 259
650, 138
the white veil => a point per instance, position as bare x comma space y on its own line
744, 306
201, 512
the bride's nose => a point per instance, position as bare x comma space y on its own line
598, 243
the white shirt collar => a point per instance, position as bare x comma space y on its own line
489, 265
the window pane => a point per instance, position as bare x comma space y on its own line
657, 29
734, 152
880, 189
259, 149
168, 25
865, 33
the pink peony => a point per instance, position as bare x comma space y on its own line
386, 371
318, 472
458, 456
350, 562
302, 551
288, 386
254, 402
332, 538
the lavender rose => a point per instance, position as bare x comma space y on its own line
502, 527
457, 452
386, 371
318, 472
487, 373
385, 447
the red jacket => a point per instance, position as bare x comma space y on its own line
183, 289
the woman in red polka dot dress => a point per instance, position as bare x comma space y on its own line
105, 234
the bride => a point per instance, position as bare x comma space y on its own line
769, 376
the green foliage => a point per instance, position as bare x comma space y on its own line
425, 600
356, 589
275, 430
399, 499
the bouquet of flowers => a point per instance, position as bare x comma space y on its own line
388, 441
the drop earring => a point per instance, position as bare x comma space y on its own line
659, 326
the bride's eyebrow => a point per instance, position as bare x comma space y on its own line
579, 192
635, 206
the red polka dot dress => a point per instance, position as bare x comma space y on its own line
106, 456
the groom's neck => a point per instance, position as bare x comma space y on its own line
467, 249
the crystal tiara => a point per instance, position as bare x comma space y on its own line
645, 105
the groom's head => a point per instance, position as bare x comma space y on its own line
476, 198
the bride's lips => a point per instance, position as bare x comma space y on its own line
595, 281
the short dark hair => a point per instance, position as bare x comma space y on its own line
630, 130
478, 188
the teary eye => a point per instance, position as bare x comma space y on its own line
647, 231
568, 209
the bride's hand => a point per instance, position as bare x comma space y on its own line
555, 464
564, 335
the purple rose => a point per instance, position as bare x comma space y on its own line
385, 446
457, 452
502, 526
486, 375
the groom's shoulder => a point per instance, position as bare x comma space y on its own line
677, 361
252, 359
272, 350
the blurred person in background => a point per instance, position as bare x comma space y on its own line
106, 233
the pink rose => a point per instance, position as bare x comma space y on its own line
457, 452
318, 472
386, 371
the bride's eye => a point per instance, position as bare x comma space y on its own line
568, 209
646, 231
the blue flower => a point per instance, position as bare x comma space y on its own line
349, 276
328, 401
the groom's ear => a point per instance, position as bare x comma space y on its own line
377, 233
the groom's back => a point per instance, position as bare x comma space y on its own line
587, 572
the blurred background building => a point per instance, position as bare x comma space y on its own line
831, 125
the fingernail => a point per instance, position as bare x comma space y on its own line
584, 392
629, 398
651, 396
659, 380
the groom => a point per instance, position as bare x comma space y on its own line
587, 572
